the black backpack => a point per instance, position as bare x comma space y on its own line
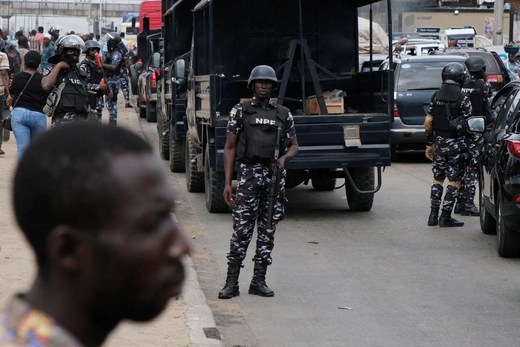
15, 60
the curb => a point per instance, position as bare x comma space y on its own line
203, 331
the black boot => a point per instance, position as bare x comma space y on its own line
129, 105
231, 288
112, 122
434, 216
446, 221
469, 209
258, 285
458, 206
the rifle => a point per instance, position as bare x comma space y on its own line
100, 66
273, 186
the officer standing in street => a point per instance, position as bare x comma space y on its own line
112, 65
478, 92
73, 104
94, 73
251, 140
446, 145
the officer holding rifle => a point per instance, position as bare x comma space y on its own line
254, 130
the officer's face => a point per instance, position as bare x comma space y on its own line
263, 88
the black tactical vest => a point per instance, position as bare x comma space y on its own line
474, 89
74, 97
108, 60
257, 140
441, 125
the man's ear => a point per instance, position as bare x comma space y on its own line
67, 248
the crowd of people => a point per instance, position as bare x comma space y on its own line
68, 78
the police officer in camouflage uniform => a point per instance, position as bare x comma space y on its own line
251, 140
446, 146
124, 73
94, 73
479, 92
73, 104
112, 65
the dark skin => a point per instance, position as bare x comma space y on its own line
128, 269
262, 91
91, 54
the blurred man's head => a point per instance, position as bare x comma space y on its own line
95, 205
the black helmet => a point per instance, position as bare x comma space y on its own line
455, 72
53, 30
262, 72
67, 41
113, 40
475, 63
91, 44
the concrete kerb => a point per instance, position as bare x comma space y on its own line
198, 315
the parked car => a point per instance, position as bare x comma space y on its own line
499, 177
147, 88
416, 79
496, 71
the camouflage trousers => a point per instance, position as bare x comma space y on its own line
251, 205
99, 107
470, 178
123, 81
446, 164
113, 85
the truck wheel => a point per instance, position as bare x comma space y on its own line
164, 139
363, 177
133, 79
214, 182
194, 179
322, 181
151, 113
177, 154
142, 110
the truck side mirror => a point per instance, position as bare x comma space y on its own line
179, 72
156, 59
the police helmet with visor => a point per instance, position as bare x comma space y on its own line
262, 72
455, 72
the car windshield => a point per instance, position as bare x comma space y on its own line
420, 76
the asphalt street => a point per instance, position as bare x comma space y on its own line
378, 278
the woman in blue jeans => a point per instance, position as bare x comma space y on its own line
27, 99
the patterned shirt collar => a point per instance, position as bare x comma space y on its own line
255, 102
23, 325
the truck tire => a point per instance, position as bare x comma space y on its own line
133, 79
164, 139
363, 177
214, 182
151, 113
194, 179
142, 110
177, 155
322, 181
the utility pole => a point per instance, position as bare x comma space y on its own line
498, 39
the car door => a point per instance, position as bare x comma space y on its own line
503, 106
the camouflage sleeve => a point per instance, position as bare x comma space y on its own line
289, 125
466, 110
235, 120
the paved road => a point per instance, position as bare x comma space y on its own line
404, 283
